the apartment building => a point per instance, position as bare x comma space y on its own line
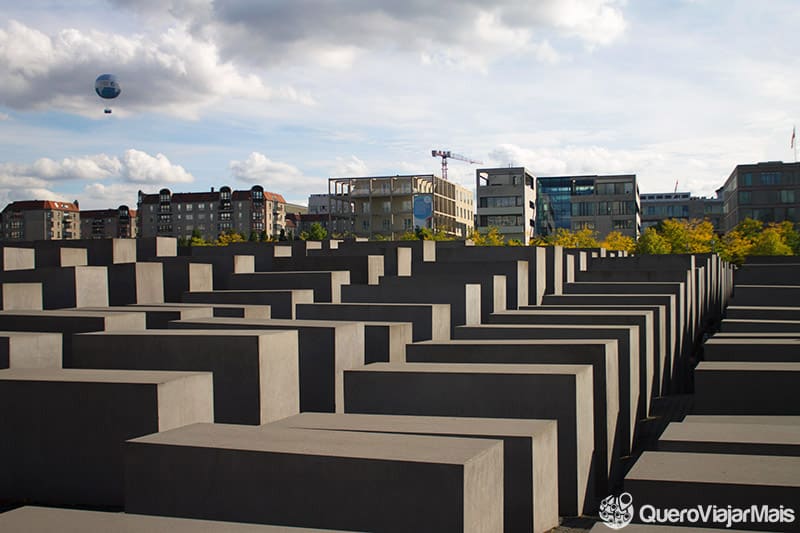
680, 205
211, 213
119, 223
392, 205
33, 220
506, 200
598, 203
767, 191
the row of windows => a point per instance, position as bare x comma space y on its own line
619, 187
747, 179
667, 211
776, 214
501, 220
767, 197
500, 201
589, 209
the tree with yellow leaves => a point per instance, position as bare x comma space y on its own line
493, 237
618, 242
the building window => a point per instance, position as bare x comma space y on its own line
365, 225
770, 178
583, 209
746, 180
189, 217
745, 197
189, 207
407, 223
501, 220
623, 224
501, 201
787, 197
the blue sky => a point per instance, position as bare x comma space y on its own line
290, 93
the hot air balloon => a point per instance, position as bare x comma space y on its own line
106, 86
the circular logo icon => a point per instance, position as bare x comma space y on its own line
617, 511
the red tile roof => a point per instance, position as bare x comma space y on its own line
41, 205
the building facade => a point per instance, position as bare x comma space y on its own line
682, 206
211, 213
34, 220
506, 200
769, 192
599, 203
119, 223
390, 206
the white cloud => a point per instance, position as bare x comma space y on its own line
350, 166
101, 196
141, 167
173, 72
276, 176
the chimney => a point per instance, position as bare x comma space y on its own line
212, 189
76, 203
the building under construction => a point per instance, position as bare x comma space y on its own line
390, 206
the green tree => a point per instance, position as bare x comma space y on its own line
493, 237
197, 239
282, 235
652, 242
253, 236
409, 236
229, 237
770, 242
619, 242
316, 232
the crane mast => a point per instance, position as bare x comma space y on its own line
447, 154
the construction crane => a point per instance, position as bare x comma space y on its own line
445, 154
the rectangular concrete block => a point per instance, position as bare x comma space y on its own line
218, 310
762, 312
386, 342
601, 355
741, 439
68, 322
159, 316
17, 258
560, 392
30, 350
744, 388
149, 247
686, 480
742, 419
255, 373
327, 286
761, 295
17, 296
281, 302
183, 274
530, 479
325, 349
52, 256
752, 325
752, 349
80, 286
69, 427
135, 283
429, 321
52, 520
308, 478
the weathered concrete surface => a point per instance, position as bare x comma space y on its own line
80, 286
601, 354
52, 520
530, 479
158, 316
430, 321
68, 322
561, 392
150, 247
327, 286
634, 402
751, 325
743, 388
742, 439
757, 295
218, 310
742, 419
17, 258
184, 274
686, 480
339, 479
762, 312
30, 350
281, 302
386, 342
325, 349
69, 426
255, 373
16, 296
364, 270
135, 283
61, 257
752, 349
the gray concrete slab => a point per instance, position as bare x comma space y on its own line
761, 295
686, 480
68, 322
602, 355
429, 321
309, 478
530, 478
17, 296
741, 439
281, 302
750, 325
742, 419
762, 312
150, 247
752, 349
763, 274
30, 350
325, 349
327, 286
17, 258
364, 270
100, 252
135, 283
52, 520
560, 392
219, 310
158, 316
61, 257
386, 342
744, 388
79, 286
184, 274
69, 427
635, 402
255, 373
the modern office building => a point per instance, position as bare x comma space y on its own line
682, 206
211, 213
109, 223
33, 220
769, 192
506, 200
392, 205
599, 203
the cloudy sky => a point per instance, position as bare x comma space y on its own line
288, 93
